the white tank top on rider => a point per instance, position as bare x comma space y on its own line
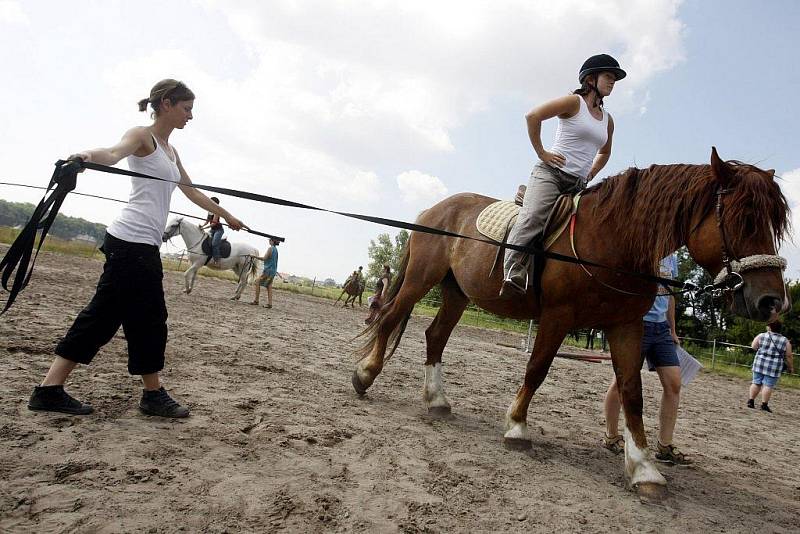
579, 138
144, 218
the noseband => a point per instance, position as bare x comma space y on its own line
730, 278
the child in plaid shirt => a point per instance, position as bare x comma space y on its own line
773, 351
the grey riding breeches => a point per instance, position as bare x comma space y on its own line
546, 184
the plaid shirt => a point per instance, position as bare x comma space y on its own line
770, 355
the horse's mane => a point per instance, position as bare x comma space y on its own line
651, 211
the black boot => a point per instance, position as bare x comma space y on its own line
751, 403
161, 404
765, 407
55, 399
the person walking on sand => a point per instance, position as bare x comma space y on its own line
582, 148
379, 298
773, 355
658, 348
269, 273
130, 292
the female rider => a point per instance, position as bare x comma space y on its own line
582, 147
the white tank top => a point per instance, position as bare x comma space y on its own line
144, 218
579, 138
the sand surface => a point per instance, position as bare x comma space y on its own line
279, 441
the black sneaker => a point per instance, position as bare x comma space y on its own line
55, 399
161, 404
751, 403
765, 407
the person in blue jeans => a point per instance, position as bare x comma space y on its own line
658, 348
216, 230
269, 273
773, 353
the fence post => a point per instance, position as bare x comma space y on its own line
313, 284
713, 353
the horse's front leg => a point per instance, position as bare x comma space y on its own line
552, 329
640, 472
188, 277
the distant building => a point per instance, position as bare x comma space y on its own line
85, 238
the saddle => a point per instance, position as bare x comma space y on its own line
224, 248
497, 219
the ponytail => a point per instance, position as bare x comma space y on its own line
169, 89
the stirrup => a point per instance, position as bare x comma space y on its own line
510, 283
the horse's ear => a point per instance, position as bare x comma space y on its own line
771, 172
721, 170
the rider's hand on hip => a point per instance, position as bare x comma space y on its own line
552, 159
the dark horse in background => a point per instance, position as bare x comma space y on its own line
629, 221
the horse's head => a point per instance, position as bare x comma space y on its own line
173, 228
738, 237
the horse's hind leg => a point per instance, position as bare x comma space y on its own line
626, 356
419, 277
453, 304
552, 329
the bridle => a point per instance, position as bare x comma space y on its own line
729, 279
190, 249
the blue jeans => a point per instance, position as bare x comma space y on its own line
769, 381
216, 239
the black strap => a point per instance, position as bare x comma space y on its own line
65, 177
19, 260
534, 250
188, 215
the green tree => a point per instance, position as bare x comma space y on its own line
382, 251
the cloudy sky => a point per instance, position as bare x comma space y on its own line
386, 107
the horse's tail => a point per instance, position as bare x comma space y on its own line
253, 271
371, 332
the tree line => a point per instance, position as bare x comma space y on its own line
18, 213
706, 317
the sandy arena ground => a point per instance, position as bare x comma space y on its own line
278, 440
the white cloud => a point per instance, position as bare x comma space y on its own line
11, 13
790, 185
419, 189
316, 101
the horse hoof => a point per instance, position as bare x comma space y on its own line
440, 412
360, 388
517, 444
650, 493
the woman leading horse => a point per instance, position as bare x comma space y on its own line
729, 215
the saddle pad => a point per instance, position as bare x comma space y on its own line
497, 218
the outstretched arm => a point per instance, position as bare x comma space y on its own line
202, 200
130, 143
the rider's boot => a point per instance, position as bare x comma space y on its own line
515, 283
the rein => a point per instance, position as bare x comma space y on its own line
64, 180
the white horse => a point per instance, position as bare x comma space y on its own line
243, 259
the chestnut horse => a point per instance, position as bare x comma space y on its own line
721, 212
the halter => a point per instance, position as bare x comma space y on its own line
730, 279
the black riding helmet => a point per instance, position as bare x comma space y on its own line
601, 63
